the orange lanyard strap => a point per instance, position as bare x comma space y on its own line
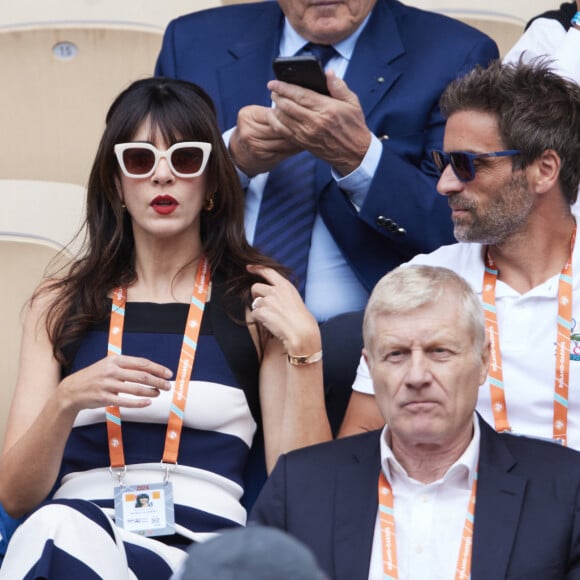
186, 361
563, 342
113, 413
388, 537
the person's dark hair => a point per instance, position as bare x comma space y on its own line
178, 111
536, 109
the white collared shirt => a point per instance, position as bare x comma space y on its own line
429, 518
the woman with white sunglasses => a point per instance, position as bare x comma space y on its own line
158, 362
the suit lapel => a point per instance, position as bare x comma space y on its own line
251, 58
371, 69
356, 504
371, 72
499, 502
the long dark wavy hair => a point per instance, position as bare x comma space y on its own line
178, 111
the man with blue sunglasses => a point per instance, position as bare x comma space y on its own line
510, 169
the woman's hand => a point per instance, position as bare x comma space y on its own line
45, 407
291, 396
277, 306
120, 380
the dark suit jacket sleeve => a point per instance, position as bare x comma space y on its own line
527, 524
403, 191
574, 559
270, 507
404, 186
325, 496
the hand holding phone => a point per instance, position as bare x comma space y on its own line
305, 71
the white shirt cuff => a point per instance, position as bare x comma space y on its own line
244, 179
357, 183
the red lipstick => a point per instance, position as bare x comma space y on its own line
164, 204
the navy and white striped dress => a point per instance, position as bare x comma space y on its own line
71, 537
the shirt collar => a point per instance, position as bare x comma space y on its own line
292, 43
467, 463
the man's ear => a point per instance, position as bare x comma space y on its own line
544, 172
485, 357
366, 357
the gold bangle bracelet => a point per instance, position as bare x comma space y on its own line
304, 359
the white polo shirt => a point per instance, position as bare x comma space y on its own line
527, 336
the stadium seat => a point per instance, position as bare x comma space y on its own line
521, 10
505, 30
136, 12
48, 211
59, 83
24, 260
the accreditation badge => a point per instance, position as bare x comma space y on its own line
147, 510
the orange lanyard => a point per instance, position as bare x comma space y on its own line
563, 341
388, 538
186, 360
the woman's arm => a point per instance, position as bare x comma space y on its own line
44, 408
291, 396
362, 414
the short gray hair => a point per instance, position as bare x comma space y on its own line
408, 287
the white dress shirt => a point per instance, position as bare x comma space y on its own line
429, 518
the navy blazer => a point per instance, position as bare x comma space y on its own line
402, 62
527, 512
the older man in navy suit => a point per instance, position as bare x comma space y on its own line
376, 204
371, 200
436, 494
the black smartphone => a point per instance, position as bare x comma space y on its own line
305, 71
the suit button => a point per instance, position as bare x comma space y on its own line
401, 232
384, 222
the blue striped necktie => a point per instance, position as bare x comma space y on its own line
288, 206
324, 52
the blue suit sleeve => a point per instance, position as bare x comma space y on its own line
402, 214
165, 65
404, 188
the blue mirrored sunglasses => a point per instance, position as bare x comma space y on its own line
462, 161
